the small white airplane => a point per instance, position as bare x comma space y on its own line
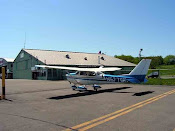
96, 77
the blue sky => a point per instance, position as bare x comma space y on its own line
113, 26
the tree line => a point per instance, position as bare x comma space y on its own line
156, 60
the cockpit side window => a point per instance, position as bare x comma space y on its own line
87, 73
92, 74
82, 73
98, 73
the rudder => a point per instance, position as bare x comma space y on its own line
140, 71
141, 68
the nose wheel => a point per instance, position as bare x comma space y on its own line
74, 87
79, 88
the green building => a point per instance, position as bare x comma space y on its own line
24, 63
8, 64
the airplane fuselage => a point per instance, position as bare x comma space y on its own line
100, 79
95, 77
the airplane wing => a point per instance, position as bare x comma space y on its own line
80, 69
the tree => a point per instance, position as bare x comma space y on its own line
128, 58
169, 60
156, 61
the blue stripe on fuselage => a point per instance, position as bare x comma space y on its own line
115, 78
141, 78
125, 78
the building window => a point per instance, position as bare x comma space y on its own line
49, 73
54, 73
42, 73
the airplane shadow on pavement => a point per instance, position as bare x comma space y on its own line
142, 93
91, 92
88, 92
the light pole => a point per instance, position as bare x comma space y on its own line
140, 55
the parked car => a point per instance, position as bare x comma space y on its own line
153, 75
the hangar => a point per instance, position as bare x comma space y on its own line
8, 64
24, 63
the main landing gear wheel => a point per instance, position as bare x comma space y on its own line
96, 87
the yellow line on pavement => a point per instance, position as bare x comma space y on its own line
120, 114
137, 105
125, 112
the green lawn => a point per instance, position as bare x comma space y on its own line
157, 81
163, 73
166, 67
169, 72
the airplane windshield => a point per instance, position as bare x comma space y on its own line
77, 72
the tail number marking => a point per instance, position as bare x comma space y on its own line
115, 79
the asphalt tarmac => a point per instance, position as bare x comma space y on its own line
54, 106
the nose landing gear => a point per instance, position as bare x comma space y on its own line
79, 88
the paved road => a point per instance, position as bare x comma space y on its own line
52, 105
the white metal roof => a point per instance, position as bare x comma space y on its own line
75, 58
8, 59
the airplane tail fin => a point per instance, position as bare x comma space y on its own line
140, 71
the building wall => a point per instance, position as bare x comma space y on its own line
8, 68
22, 65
